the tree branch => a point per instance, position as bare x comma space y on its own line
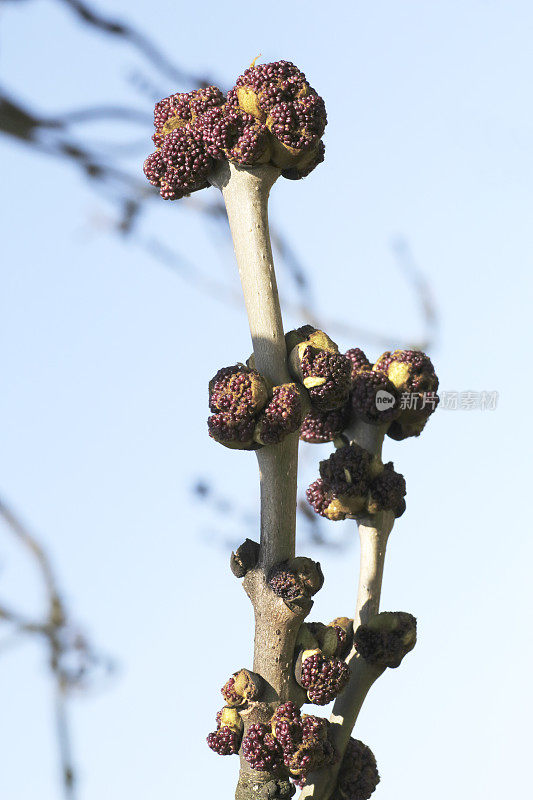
374, 533
245, 193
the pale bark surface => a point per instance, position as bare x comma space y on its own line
245, 193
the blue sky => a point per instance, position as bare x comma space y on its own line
106, 356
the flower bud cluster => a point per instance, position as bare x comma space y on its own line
414, 377
272, 115
296, 580
358, 774
321, 676
386, 638
226, 740
353, 483
304, 740
241, 687
315, 361
247, 412
377, 396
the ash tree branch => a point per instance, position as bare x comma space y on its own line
245, 193
374, 533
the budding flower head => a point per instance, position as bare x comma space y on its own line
374, 397
286, 583
358, 775
261, 750
409, 370
387, 492
296, 580
181, 108
248, 413
236, 394
226, 739
229, 133
319, 427
326, 376
271, 116
307, 757
347, 473
241, 687
328, 505
413, 374
238, 390
323, 678
281, 416
186, 164
304, 740
386, 638
287, 726
353, 481
358, 360
279, 96
315, 361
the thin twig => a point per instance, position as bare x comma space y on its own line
374, 533
61, 639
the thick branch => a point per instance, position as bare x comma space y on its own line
245, 193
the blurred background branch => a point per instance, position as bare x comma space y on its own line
73, 661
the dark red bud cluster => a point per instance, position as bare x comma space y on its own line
352, 483
226, 740
327, 377
323, 678
358, 774
287, 726
387, 492
281, 416
261, 749
358, 360
374, 397
286, 583
304, 740
399, 390
272, 115
247, 414
409, 370
386, 638
319, 427
347, 471
296, 579
414, 377
279, 96
241, 687
229, 694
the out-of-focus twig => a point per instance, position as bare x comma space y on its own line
70, 656
129, 33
